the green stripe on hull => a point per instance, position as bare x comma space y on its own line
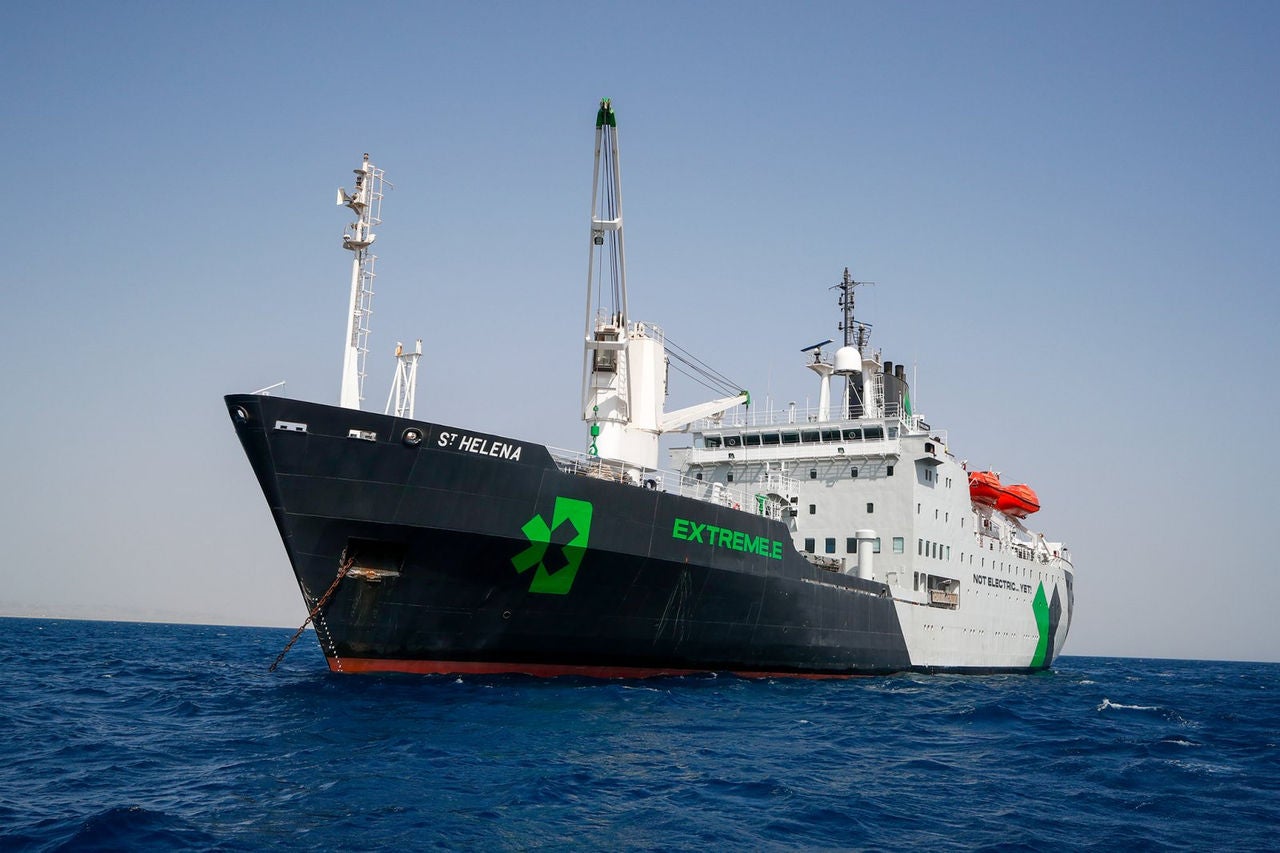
1040, 606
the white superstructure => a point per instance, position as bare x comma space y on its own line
876, 491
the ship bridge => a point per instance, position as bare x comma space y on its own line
795, 435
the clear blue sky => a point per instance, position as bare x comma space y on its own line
1070, 213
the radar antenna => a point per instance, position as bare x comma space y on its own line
366, 201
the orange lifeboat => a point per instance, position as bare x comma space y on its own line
1018, 501
984, 487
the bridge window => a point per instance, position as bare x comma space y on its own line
791, 438
751, 440
809, 435
711, 441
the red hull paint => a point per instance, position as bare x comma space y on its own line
539, 670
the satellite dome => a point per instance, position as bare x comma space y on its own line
848, 360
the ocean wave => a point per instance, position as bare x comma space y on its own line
174, 753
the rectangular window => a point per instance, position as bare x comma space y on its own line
920, 547
851, 545
808, 545
871, 508
729, 478
899, 545
915, 580
813, 509
853, 472
890, 472
813, 473
831, 544
875, 545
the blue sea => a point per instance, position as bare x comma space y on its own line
142, 737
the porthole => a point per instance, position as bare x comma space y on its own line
412, 437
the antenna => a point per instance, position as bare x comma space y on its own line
405, 387
856, 334
366, 201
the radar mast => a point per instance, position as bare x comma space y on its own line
366, 201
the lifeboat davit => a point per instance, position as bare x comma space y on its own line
1018, 501
984, 487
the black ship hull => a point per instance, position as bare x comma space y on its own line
472, 553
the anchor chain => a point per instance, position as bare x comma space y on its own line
324, 599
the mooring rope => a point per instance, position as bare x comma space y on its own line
324, 599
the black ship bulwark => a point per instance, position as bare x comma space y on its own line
474, 553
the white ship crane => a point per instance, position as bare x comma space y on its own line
624, 366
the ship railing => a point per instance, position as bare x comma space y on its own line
767, 505
266, 392
792, 415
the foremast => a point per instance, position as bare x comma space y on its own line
624, 365
366, 202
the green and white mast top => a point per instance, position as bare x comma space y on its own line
624, 365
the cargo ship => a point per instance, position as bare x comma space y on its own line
837, 541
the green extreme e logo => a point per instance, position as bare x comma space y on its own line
569, 531
723, 537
